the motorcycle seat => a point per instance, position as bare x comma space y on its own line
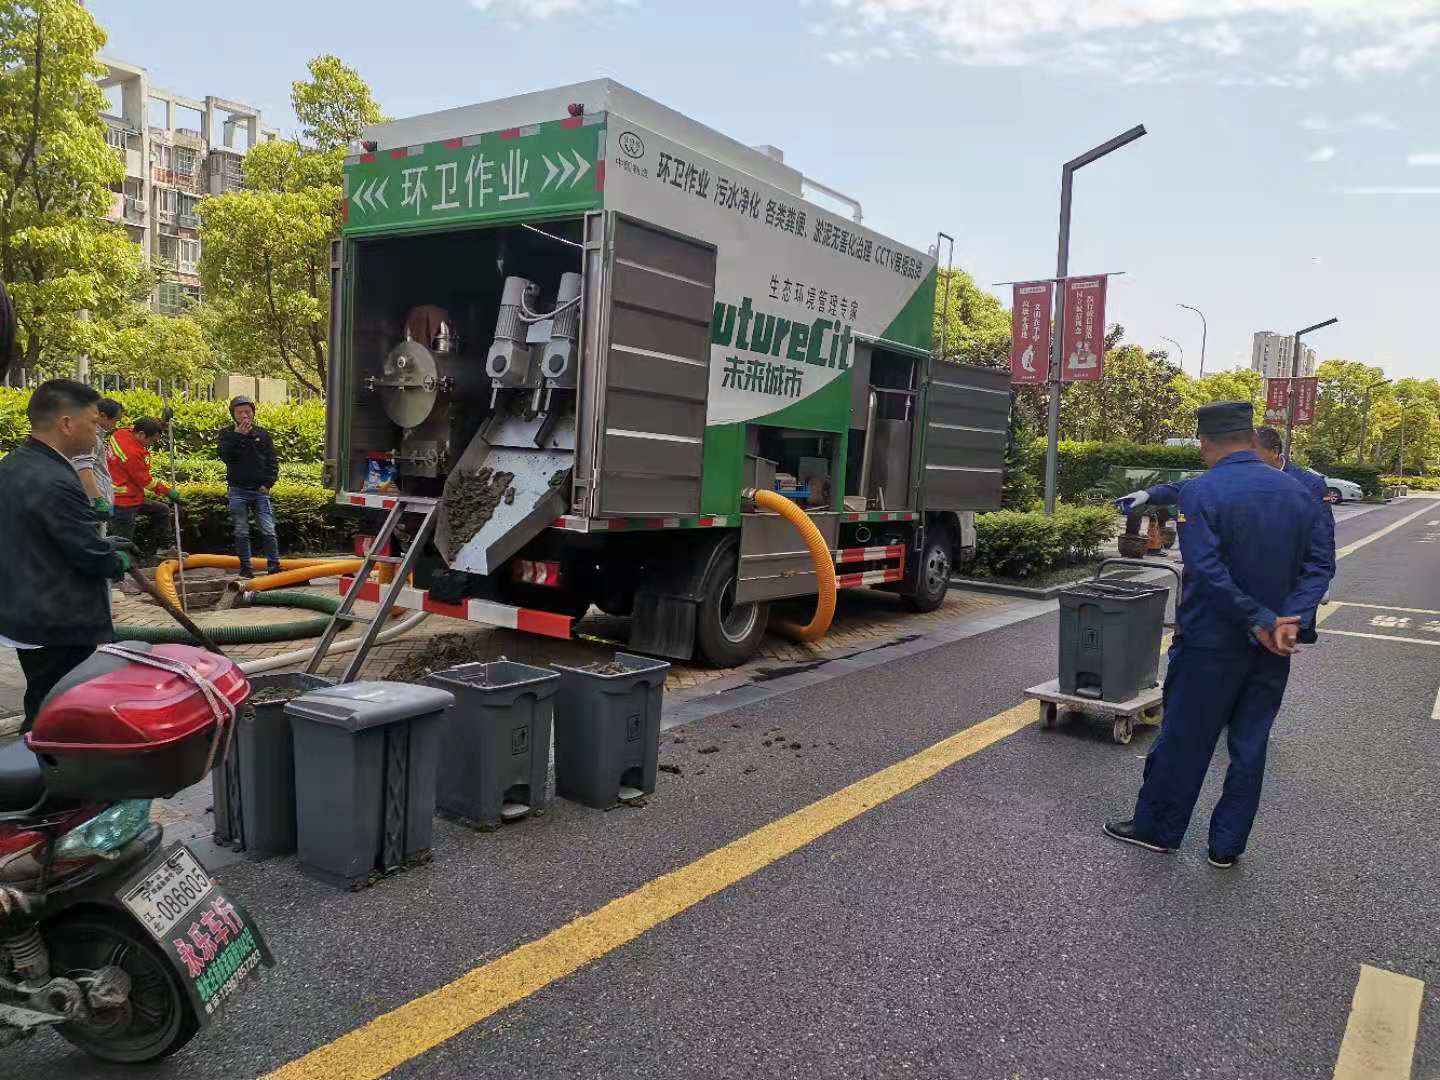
21, 781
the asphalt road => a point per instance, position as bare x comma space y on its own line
977, 924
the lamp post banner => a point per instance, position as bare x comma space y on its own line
1277, 393
1306, 391
1083, 344
1030, 331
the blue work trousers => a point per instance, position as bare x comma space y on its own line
242, 500
1207, 691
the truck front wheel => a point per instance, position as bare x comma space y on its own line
932, 576
727, 633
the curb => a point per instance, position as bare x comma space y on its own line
981, 585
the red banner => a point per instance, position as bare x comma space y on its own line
1030, 331
1306, 391
1083, 344
1276, 401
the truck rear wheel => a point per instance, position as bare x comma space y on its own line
727, 633
932, 576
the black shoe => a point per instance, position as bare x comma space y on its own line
1124, 831
276, 569
1224, 862
246, 573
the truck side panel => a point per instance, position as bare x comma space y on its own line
967, 411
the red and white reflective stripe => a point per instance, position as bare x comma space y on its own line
869, 577
537, 572
477, 611
376, 502
868, 554
882, 515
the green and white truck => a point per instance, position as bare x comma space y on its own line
589, 324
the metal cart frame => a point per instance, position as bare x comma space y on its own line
1145, 708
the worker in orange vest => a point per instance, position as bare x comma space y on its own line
130, 470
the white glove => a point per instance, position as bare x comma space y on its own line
1132, 502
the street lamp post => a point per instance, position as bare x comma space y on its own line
1365, 415
1295, 374
1062, 268
1403, 409
1204, 333
1177, 345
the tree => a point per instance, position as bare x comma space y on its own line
978, 329
69, 272
1240, 384
155, 346
1135, 399
265, 259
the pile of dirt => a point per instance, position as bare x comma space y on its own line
444, 652
275, 695
614, 667
470, 502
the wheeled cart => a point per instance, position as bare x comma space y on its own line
1123, 716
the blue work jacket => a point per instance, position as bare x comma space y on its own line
1249, 539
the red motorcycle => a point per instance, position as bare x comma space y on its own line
124, 948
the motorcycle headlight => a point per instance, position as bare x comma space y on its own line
107, 832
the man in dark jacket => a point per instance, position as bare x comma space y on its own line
250, 471
54, 579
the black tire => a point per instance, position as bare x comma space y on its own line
932, 576
157, 1020
727, 634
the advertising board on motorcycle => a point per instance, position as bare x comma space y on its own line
210, 938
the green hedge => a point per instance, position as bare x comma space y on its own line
1082, 466
195, 469
298, 427
303, 519
1367, 476
1019, 544
1415, 483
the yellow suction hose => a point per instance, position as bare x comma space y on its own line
819, 625
165, 572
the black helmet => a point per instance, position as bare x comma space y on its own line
238, 400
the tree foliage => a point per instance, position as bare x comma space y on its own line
977, 330
265, 261
70, 273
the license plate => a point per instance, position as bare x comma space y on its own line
209, 938
169, 893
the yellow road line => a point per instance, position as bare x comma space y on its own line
424, 1023
1383, 637
1379, 1041
1349, 549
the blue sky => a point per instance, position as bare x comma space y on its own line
1291, 173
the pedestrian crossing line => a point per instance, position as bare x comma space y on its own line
390, 1040
1435, 712
1382, 637
1350, 549
1379, 1042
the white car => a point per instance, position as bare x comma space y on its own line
1342, 491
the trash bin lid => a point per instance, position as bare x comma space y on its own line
362, 705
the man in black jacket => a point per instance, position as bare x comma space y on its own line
250, 471
54, 578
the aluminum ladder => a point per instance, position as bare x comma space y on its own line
427, 509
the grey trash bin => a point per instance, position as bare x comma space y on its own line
607, 730
1110, 638
254, 790
495, 743
365, 760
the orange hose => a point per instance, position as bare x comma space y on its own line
824, 561
165, 572
302, 574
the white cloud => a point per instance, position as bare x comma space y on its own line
1189, 38
1322, 153
1315, 123
1395, 190
1424, 158
1374, 120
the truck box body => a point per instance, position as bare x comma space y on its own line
731, 333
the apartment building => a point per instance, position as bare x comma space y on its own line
1271, 355
169, 168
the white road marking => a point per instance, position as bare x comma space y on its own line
1379, 1041
1381, 637
1377, 534
1435, 712
1386, 607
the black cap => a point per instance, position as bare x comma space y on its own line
1221, 418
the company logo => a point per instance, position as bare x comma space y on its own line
632, 144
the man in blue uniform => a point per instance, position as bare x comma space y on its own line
1270, 447
1252, 569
